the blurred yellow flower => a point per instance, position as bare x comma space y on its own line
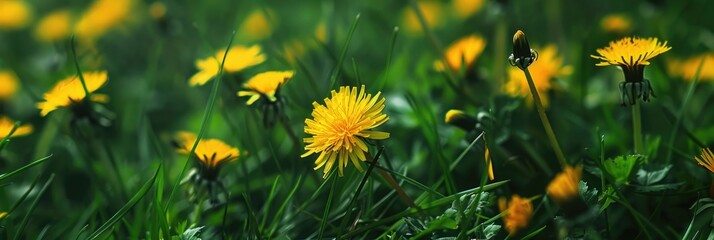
462, 53
518, 213
54, 26
547, 67
340, 127
237, 59
69, 91
102, 16
706, 159
321, 32
294, 50
157, 10
687, 68
2, 215
615, 23
6, 125
8, 84
432, 11
258, 25
466, 8
265, 84
565, 186
14, 14
211, 153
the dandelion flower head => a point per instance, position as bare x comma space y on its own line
69, 91
265, 84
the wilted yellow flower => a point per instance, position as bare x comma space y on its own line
632, 54
8, 84
706, 159
54, 26
237, 59
6, 125
687, 68
466, 8
518, 213
69, 91
157, 10
102, 16
432, 11
462, 53
14, 14
489, 161
340, 127
615, 23
548, 66
265, 84
564, 187
211, 153
258, 25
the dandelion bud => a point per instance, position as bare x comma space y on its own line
460, 119
522, 56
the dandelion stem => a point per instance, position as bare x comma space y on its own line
637, 127
392, 182
289, 131
79, 71
544, 120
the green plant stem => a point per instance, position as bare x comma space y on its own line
544, 120
637, 128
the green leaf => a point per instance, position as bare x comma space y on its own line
659, 187
589, 195
647, 178
491, 230
192, 233
621, 167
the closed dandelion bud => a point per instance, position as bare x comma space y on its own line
522, 56
460, 119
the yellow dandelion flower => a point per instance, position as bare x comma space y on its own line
211, 153
14, 14
564, 187
706, 159
432, 12
54, 27
8, 84
257, 25
466, 8
687, 68
237, 59
265, 84
340, 127
69, 91
102, 16
6, 125
157, 10
518, 212
615, 23
632, 54
548, 66
462, 53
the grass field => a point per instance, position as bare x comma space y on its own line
413, 119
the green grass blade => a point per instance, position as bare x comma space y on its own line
343, 53
128, 206
685, 103
274, 223
23, 168
26, 219
325, 215
204, 122
271, 196
390, 54
534, 233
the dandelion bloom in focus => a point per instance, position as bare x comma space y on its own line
543, 71
237, 59
687, 68
632, 54
211, 153
7, 124
54, 26
265, 84
615, 23
102, 16
340, 128
8, 84
518, 212
257, 25
462, 53
432, 12
565, 186
14, 14
70, 91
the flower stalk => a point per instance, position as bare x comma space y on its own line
637, 128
